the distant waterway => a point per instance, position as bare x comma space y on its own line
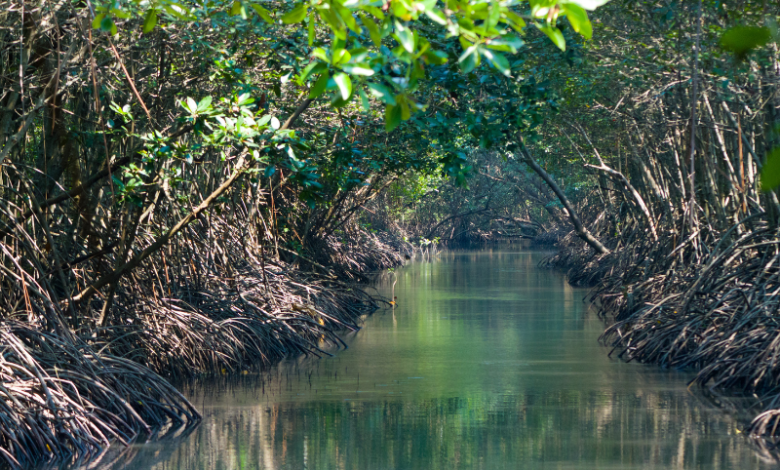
486, 362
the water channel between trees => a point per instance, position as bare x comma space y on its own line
487, 362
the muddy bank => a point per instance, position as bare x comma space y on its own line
208, 305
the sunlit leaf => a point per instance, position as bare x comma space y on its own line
348, 19
235, 9
404, 36
321, 54
358, 69
578, 18
177, 10
312, 68
436, 15
555, 35
381, 92
204, 104
344, 84
498, 60
150, 21
373, 30
98, 20
494, 14
515, 21
190, 105
506, 43
341, 56
588, 4
469, 60
262, 13
319, 85
296, 15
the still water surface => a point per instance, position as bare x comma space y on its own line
487, 362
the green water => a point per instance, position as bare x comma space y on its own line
487, 362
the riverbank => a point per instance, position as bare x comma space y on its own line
230, 309
705, 302
486, 361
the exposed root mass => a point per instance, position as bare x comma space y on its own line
63, 399
707, 303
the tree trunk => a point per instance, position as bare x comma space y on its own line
582, 232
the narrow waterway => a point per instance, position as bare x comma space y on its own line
487, 362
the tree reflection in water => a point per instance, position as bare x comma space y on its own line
491, 363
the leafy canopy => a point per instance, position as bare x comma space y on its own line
379, 49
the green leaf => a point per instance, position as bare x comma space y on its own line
311, 32
494, 14
381, 92
506, 43
314, 67
588, 4
435, 57
192, 106
515, 21
150, 21
262, 13
296, 15
364, 100
555, 35
347, 18
404, 36
319, 85
334, 21
235, 9
578, 18
341, 56
358, 69
770, 173
742, 39
436, 15
403, 104
321, 54
177, 10
344, 83
107, 24
392, 117
373, 11
469, 60
204, 104
98, 20
373, 30
125, 15
400, 10
498, 59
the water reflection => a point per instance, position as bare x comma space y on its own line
486, 363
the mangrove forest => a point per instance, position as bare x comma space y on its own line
401, 234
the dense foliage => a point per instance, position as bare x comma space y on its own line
181, 184
185, 185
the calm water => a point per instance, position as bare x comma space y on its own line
487, 362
